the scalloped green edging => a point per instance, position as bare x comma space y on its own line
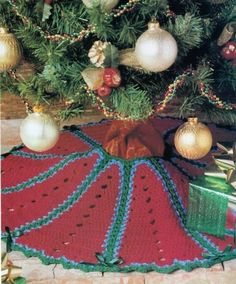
143, 268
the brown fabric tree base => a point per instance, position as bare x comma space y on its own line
133, 139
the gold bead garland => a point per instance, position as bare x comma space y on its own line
28, 108
125, 8
204, 90
168, 96
23, 71
84, 32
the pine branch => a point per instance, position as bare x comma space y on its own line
132, 102
104, 29
188, 32
155, 8
130, 29
68, 18
72, 111
226, 79
218, 116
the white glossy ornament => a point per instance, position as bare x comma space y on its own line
156, 49
106, 5
39, 132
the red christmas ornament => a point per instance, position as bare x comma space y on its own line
229, 50
112, 77
104, 91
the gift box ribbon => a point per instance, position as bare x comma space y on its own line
209, 194
225, 164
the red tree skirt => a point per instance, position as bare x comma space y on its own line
78, 206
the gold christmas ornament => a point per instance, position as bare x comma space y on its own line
156, 49
10, 50
106, 5
193, 139
39, 131
96, 53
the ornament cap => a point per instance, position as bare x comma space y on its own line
193, 120
38, 109
4, 30
153, 25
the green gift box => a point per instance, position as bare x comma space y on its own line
209, 200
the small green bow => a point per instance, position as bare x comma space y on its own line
218, 255
109, 263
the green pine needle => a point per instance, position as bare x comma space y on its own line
132, 102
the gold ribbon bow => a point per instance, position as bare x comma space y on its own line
9, 272
225, 164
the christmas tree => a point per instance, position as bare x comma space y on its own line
70, 44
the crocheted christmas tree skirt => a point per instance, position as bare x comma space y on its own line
81, 207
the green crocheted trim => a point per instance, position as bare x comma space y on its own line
38, 156
167, 180
143, 268
121, 211
67, 203
43, 176
87, 139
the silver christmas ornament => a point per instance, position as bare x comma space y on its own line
156, 49
39, 132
